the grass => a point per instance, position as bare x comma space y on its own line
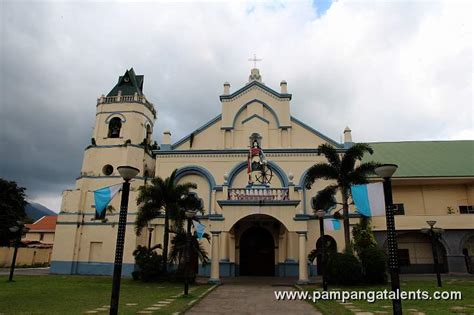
51, 294
441, 307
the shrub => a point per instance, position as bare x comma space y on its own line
374, 265
344, 268
149, 264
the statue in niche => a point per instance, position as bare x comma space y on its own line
257, 165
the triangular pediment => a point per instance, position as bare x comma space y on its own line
258, 85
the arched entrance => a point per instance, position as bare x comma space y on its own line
257, 252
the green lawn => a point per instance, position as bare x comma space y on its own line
464, 285
78, 294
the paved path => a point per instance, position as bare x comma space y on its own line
249, 299
26, 271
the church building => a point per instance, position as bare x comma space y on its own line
249, 163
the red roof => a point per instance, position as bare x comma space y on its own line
46, 223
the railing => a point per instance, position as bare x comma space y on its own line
126, 99
258, 194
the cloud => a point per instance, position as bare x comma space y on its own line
389, 70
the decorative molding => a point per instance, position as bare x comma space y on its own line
255, 116
254, 85
243, 107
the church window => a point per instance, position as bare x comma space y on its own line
107, 170
115, 125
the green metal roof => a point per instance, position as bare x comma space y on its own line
426, 158
129, 83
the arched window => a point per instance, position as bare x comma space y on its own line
115, 125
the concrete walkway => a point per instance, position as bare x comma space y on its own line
249, 298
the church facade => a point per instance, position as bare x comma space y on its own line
249, 164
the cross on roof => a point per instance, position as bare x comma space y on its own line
254, 59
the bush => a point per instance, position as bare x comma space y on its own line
149, 264
344, 268
374, 265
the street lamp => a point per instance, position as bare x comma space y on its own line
18, 231
150, 230
127, 173
434, 234
386, 171
190, 215
320, 214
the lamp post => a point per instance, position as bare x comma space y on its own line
127, 173
18, 230
386, 171
150, 231
190, 214
434, 233
320, 214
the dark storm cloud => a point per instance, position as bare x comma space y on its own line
356, 62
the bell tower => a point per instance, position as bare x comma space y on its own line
122, 133
123, 128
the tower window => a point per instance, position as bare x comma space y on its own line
115, 125
107, 170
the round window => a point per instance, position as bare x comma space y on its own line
108, 169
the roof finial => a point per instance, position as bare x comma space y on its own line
254, 59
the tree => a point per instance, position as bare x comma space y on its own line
178, 247
363, 236
162, 195
345, 172
12, 208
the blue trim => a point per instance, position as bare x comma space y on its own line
288, 269
88, 268
108, 146
243, 107
196, 170
317, 133
242, 151
216, 217
251, 84
200, 171
106, 176
242, 165
255, 116
197, 131
90, 223
258, 202
302, 217
165, 147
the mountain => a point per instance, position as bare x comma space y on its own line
35, 211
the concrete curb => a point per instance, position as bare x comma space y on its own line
199, 298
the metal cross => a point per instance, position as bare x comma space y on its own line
254, 59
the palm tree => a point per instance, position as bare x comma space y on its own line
345, 172
178, 247
161, 195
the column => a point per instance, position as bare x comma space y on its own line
214, 279
224, 239
303, 265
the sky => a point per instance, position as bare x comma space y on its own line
390, 70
